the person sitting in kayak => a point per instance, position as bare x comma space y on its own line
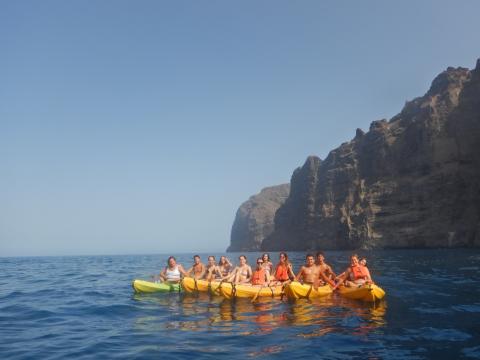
173, 272
260, 276
212, 271
198, 268
283, 270
225, 266
267, 264
355, 275
325, 271
242, 274
309, 273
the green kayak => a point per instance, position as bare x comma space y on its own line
143, 286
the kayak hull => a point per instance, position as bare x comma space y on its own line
370, 292
191, 285
296, 290
142, 286
249, 291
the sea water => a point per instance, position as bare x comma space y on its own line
84, 307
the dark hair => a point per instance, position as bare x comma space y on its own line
268, 256
320, 253
261, 259
286, 257
243, 257
309, 255
196, 256
168, 260
222, 262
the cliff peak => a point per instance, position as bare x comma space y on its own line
452, 77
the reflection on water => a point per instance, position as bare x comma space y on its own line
83, 307
206, 313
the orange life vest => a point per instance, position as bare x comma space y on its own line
281, 273
359, 272
258, 277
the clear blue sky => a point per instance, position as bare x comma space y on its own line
141, 126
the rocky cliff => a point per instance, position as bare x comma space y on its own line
254, 219
412, 181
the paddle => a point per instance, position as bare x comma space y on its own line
258, 293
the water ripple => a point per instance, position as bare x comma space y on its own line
84, 307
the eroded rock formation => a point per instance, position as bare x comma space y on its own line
412, 181
254, 219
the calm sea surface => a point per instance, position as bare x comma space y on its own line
84, 307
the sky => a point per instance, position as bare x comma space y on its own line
136, 127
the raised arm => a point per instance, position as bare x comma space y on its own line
182, 270
331, 271
341, 278
299, 275
326, 279
189, 271
290, 272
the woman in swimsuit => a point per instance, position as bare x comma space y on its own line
242, 274
267, 264
173, 272
212, 271
225, 266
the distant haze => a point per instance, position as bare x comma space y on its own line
140, 127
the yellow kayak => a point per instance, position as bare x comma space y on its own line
142, 286
296, 290
191, 285
368, 292
229, 291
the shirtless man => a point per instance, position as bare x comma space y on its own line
212, 272
198, 268
242, 274
309, 273
325, 271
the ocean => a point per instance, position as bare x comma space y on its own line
84, 307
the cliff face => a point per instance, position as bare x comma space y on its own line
413, 181
254, 219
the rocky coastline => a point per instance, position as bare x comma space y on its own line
409, 182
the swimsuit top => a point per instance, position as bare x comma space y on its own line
215, 271
172, 275
224, 269
244, 272
268, 266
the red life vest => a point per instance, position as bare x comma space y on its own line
359, 272
281, 273
258, 277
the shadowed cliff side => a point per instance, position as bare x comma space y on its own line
413, 181
254, 219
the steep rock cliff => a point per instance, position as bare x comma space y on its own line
413, 181
254, 219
